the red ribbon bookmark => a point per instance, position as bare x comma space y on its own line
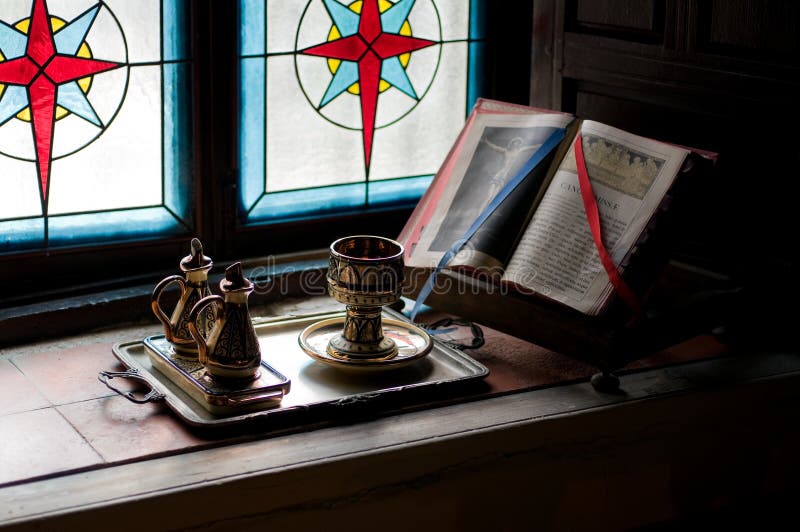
593, 217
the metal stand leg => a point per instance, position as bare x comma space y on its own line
605, 382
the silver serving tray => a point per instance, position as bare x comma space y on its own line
315, 387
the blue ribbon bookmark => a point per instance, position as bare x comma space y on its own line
549, 145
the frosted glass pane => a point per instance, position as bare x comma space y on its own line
282, 18
111, 31
20, 196
73, 132
15, 139
309, 30
15, 10
300, 156
141, 20
430, 129
116, 172
454, 18
64, 9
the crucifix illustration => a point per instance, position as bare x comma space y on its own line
511, 155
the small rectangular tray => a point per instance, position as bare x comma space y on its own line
218, 398
318, 392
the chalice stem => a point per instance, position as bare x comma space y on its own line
363, 325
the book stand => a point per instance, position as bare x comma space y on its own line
683, 303
678, 301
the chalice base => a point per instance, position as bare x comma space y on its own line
342, 348
412, 345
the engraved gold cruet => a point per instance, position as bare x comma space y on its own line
194, 287
230, 350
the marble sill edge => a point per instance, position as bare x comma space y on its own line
130, 305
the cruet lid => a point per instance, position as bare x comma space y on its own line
196, 260
235, 279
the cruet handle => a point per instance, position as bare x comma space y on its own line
202, 343
155, 302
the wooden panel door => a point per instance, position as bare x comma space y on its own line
722, 75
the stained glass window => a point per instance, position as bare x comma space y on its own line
347, 104
94, 121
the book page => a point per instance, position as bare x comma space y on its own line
556, 255
409, 236
492, 244
492, 152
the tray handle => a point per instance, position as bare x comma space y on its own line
151, 396
477, 341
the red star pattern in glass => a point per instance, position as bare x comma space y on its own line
369, 47
42, 70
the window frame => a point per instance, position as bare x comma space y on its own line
41, 275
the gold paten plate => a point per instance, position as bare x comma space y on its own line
319, 393
412, 343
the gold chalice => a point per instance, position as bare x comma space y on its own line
365, 273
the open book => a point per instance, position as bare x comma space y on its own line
538, 240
